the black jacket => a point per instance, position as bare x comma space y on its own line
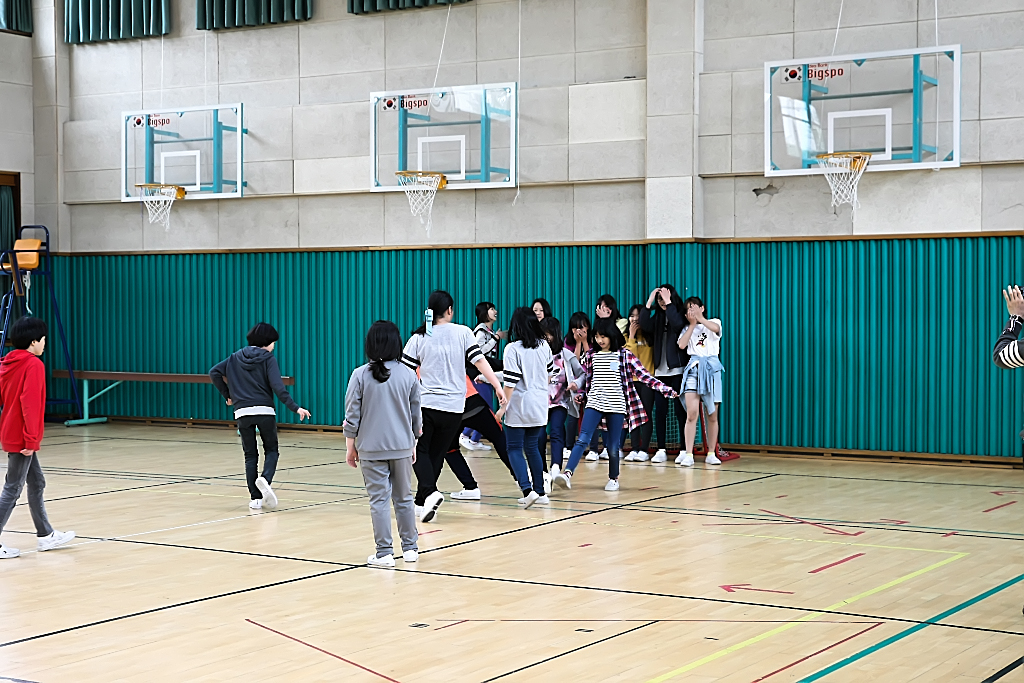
654, 322
253, 378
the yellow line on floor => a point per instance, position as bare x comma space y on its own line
785, 627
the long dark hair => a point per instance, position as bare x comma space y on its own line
552, 330
694, 300
439, 302
579, 320
544, 305
383, 343
674, 296
640, 310
609, 301
483, 310
606, 327
525, 328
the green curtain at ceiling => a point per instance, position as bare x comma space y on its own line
92, 21
215, 14
367, 6
7, 227
16, 15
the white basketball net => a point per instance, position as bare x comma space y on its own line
158, 201
421, 188
843, 171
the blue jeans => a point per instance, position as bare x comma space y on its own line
556, 425
520, 439
588, 425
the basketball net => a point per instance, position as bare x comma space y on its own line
158, 200
420, 188
843, 171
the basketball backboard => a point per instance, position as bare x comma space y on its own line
903, 106
469, 133
198, 148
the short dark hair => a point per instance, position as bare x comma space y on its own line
544, 305
26, 330
438, 302
262, 334
551, 327
609, 301
578, 320
695, 300
482, 310
383, 343
606, 327
525, 328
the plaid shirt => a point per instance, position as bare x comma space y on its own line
629, 367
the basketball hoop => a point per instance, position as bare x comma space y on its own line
420, 188
843, 171
158, 199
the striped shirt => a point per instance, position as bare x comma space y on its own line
441, 359
605, 393
1009, 351
487, 339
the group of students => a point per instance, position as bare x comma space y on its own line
411, 407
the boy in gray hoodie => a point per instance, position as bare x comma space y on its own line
382, 424
253, 377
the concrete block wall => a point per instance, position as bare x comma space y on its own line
740, 35
17, 150
641, 119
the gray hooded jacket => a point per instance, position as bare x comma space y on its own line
253, 377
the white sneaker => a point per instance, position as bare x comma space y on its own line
256, 504
555, 469
685, 459
660, 457
631, 457
430, 505
7, 553
530, 498
604, 454
418, 511
411, 555
566, 453
466, 494
547, 482
55, 540
712, 459
543, 500
269, 497
640, 456
592, 457
465, 442
561, 480
478, 446
386, 561
612, 485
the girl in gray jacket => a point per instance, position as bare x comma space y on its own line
382, 424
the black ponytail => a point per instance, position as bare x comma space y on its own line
439, 303
383, 344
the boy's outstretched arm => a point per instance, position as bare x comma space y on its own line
217, 374
277, 384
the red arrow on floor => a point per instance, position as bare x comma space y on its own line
1003, 493
745, 587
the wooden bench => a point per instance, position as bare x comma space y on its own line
118, 377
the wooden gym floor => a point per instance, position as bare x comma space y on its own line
760, 570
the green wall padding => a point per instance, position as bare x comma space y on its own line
368, 6
92, 21
218, 14
16, 15
858, 344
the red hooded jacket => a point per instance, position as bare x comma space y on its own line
23, 394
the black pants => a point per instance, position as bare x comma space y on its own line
641, 436
439, 428
247, 426
661, 410
484, 422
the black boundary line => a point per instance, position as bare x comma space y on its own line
594, 512
177, 604
569, 652
1005, 670
233, 552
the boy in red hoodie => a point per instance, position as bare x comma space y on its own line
23, 395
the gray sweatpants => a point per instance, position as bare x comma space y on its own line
21, 470
390, 480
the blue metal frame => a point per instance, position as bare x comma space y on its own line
486, 111
915, 153
15, 298
218, 181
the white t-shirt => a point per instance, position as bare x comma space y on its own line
605, 393
441, 360
704, 342
527, 370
